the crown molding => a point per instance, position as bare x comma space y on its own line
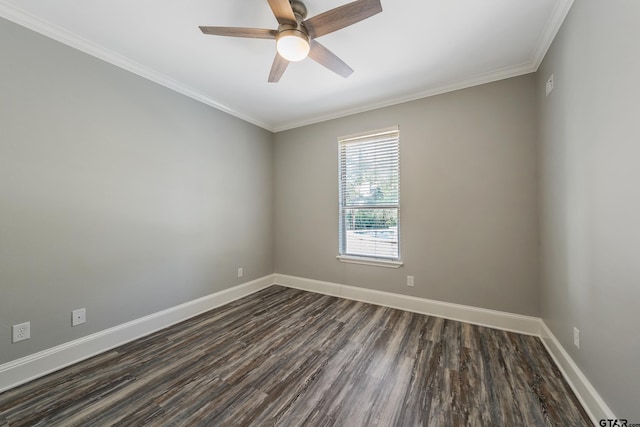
20, 17
68, 38
560, 12
557, 17
489, 77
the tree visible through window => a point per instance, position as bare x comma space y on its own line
369, 181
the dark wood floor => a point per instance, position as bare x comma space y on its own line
288, 357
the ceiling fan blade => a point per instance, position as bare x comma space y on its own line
277, 69
252, 33
325, 57
342, 16
283, 11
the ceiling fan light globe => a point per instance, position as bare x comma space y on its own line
292, 45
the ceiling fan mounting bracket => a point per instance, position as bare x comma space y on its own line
299, 10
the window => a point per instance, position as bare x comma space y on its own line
369, 188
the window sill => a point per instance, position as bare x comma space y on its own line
370, 261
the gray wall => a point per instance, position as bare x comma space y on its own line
469, 212
590, 195
117, 194
126, 198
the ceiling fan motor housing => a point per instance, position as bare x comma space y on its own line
292, 30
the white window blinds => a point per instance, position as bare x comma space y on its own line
369, 181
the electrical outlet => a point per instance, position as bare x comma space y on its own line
240, 272
409, 280
21, 332
549, 85
576, 337
78, 317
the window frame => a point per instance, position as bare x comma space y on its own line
343, 255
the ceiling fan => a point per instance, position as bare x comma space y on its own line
296, 37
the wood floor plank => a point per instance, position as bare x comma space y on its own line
391, 397
287, 357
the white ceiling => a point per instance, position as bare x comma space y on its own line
413, 49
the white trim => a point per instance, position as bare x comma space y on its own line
374, 134
480, 79
591, 401
553, 25
44, 362
370, 261
560, 12
39, 364
41, 26
479, 316
68, 38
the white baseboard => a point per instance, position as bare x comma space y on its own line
586, 393
479, 316
39, 364
44, 362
